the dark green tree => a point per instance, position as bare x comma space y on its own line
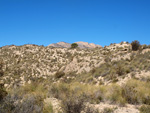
135, 45
74, 45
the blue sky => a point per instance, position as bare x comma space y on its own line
102, 22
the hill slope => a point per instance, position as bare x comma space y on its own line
95, 77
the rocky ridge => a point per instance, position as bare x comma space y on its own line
82, 45
24, 63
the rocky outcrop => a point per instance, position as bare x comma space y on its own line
82, 45
87, 45
60, 45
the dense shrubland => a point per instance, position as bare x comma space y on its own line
74, 96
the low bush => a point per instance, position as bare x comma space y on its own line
59, 74
32, 88
17, 104
113, 94
89, 109
72, 98
59, 90
137, 92
73, 103
3, 92
145, 109
119, 70
48, 108
108, 110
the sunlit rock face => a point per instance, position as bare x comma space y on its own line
81, 44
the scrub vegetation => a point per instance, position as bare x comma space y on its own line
108, 79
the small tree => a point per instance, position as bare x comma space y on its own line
135, 45
74, 45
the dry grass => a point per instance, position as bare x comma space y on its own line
137, 92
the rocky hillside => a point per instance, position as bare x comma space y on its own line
102, 79
23, 63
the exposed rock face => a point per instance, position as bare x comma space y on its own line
61, 45
81, 44
123, 45
87, 45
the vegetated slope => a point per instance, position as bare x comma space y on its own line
74, 80
25, 63
31, 61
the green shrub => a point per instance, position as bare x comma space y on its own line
1, 71
135, 45
136, 92
113, 93
36, 88
74, 45
145, 109
3, 92
59, 74
48, 108
73, 103
108, 110
59, 90
1, 68
119, 70
89, 109
71, 96
14, 103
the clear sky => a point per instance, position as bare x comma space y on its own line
43, 22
